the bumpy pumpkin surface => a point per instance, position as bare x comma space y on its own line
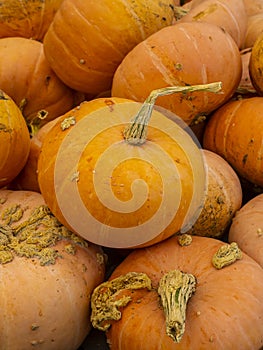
182, 54
110, 30
27, 18
14, 140
47, 275
224, 312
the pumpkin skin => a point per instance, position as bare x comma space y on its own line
228, 14
14, 140
234, 131
101, 182
221, 296
45, 305
30, 81
253, 7
256, 64
223, 198
27, 18
247, 227
87, 63
163, 60
27, 177
254, 29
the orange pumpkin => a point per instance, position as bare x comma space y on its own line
87, 62
14, 140
223, 198
182, 54
27, 18
254, 29
235, 131
94, 174
228, 14
224, 312
30, 81
256, 65
253, 7
247, 228
47, 275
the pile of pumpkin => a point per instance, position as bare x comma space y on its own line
131, 174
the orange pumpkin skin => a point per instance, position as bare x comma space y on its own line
181, 55
27, 18
234, 132
103, 194
30, 81
14, 140
256, 65
45, 305
253, 7
247, 228
111, 30
228, 14
223, 198
220, 296
27, 178
254, 29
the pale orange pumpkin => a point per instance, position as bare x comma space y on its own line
253, 7
224, 312
27, 18
107, 178
223, 198
110, 30
247, 228
228, 14
47, 275
182, 54
27, 78
14, 140
256, 65
254, 29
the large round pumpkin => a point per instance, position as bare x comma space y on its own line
108, 189
47, 275
235, 131
182, 54
14, 140
247, 228
27, 18
27, 78
87, 40
224, 311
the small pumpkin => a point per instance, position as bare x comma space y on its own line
256, 65
181, 55
223, 198
14, 140
173, 297
47, 275
27, 18
228, 14
30, 81
87, 62
116, 166
234, 132
247, 228
254, 29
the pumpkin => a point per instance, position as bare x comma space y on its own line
14, 140
181, 55
30, 81
223, 198
247, 228
256, 65
27, 177
245, 87
253, 7
115, 166
87, 62
228, 14
27, 18
254, 29
47, 275
173, 296
234, 131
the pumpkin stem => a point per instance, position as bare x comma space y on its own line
136, 132
227, 254
106, 299
175, 289
180, 12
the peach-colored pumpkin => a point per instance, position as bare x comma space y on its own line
254, 29
47, 275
